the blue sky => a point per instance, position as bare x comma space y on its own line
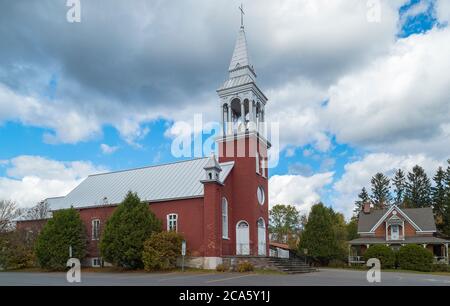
67, 94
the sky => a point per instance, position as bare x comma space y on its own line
357, 87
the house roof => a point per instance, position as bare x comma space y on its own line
275, 244
155, 183
422, 217
408, 240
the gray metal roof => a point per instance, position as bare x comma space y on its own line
240, 56
155, 183
237, 81
422, 217
408, 240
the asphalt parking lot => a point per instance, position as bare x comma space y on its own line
324, 277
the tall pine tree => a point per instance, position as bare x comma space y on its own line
381, 194
446, 209
438, 197
399, 187
418, 189
363, 198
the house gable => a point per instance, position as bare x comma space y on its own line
413, 221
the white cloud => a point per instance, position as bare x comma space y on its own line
107, 149
358, 174
402, 97
33, 178
301, 191
311, 39
443, 10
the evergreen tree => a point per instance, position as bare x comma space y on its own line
363, 198
322, 235
446, 209
381, 195
64, 230
125, 232
418, 188
438, 198
399, 187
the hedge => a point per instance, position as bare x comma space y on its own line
383, 253
161, 251
415, 257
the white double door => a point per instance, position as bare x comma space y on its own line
243, 238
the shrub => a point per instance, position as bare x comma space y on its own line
415, 257
336, 263
161, 251
65, 229
126, 230
440, 267
383, 253
16, 250
221, 268
245, 267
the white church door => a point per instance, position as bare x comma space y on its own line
242, 239
261, 237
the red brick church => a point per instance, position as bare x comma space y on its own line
220, 205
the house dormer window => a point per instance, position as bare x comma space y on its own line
395, 228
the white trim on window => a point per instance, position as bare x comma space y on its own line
225, 218
95, 224
261, 195
172, 222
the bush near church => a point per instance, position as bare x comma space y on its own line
125, 232
245, 267
16, 250
161, 251
382, 252
65, 229
415, 257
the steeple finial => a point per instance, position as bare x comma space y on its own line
241, 8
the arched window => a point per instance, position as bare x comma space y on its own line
172, 222
224, 218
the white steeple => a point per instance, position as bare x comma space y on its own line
240, 56
242, 102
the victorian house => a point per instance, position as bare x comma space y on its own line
395, 227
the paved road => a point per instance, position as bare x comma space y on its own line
325, 277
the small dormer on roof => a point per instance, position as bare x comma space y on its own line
212, 169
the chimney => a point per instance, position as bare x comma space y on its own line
366, 208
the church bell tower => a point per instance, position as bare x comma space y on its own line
243, 141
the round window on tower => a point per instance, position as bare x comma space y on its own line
261, 195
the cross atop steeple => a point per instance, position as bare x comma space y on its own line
241, 8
